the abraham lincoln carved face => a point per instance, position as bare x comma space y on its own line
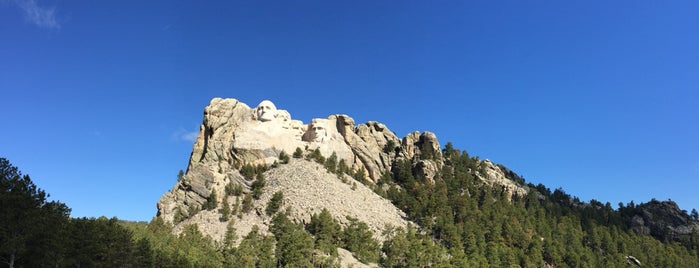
317, 131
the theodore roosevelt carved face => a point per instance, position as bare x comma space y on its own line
266, 111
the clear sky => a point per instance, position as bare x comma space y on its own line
99, 99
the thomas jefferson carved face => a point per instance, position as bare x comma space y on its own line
317, 131
266, 111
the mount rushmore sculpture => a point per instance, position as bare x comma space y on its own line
233, 135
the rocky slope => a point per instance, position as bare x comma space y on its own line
233, 135
307, 188
663, 220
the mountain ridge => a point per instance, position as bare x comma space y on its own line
242, 162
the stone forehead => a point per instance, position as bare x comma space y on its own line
318, 121
267, 103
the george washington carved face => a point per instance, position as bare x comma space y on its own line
266, 111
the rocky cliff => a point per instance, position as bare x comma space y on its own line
234, 135
663, 220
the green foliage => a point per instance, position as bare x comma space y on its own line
193, 210
342, 167
179, 216
463, 223
409, 249
449, 152
98, 242
390, 147
233, 189
249, 171
315, 155
284, 157
255, 250
230, 237
294, 246
327, 232
298, 153
274, 203
198, 249
331, 163
247, 203
211, 201
480, 226
180, 175
30, 226
257, 186
360, 175
426, 152
225, 210
358, 238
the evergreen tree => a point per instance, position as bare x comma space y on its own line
27, 218
294, 245
211, 202
255, 250
342, 167
274, 203
230, 237
247, 203
225, 210
327, 232
257, 186
359, 239
180, 175
331, 163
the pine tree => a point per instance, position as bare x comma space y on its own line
257, 186
327, 232
359, 239
294, 245
274, 203
230, 237
211, 201
225, 210
247, 203
331, 163
26, 217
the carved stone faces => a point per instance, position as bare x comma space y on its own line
266, 111
317, 131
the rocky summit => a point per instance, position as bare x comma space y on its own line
235, 139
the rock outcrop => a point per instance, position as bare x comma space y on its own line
663, 220
234, 135
497, 176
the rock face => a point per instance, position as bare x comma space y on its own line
495, 175
234, 135
663, 220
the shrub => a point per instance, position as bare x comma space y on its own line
257, 186
284, 157
298, 153
274, 203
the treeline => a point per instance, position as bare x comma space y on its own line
462, 223
486, 227
37, 233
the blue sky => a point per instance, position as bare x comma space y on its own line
601, 98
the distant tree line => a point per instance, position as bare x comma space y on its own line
461, 222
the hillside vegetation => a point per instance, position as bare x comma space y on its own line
460, 222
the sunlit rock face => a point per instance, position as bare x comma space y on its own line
234, 134
266, 111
